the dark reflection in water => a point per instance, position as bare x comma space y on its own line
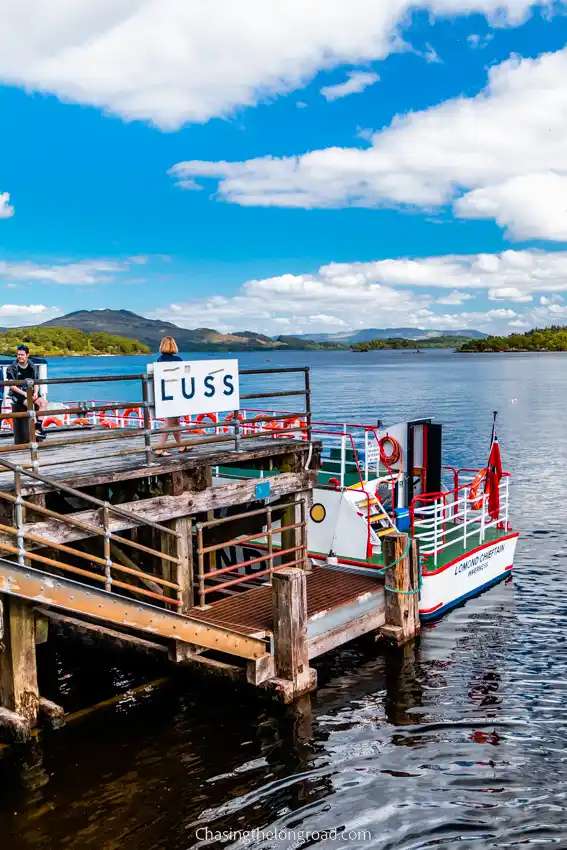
458, 739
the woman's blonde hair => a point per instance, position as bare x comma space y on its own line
168, 346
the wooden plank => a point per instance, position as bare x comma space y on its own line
123, 638
165, 508
19, 690
60, 592
81, 464
343, 634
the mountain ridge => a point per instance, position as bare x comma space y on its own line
150, 332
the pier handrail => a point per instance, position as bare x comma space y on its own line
231, 433
104, 530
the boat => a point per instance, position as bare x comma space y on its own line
378, 480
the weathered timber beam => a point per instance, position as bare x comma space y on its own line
346, 632
164, 508
123, 638
27, 583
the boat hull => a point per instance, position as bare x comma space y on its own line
467, 576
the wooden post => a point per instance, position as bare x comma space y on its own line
401, 609
294, 677
184, 551
19, 691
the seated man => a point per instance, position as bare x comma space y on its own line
22, 369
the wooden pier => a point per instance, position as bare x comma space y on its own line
98, 531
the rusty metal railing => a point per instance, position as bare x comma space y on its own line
289, 557
42, 451
158, 585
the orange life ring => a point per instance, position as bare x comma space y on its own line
108, 423
294, 423
476, 499
134, 410
395, 453
212, 417
229, 417
52, 420
80, 421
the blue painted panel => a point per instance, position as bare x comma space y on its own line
263, 490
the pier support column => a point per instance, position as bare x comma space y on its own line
294, 677
19, 693
401, 609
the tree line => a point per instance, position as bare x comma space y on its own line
61, 342
538, 339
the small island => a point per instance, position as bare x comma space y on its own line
445, 341
68, 342
538, 339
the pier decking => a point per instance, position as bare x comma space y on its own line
98, 529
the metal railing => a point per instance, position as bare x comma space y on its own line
106, 565
236, 573
458, 516
113, 423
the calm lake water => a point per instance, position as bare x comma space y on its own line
461, 739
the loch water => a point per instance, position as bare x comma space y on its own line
459, 740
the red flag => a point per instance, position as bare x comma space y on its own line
493, 477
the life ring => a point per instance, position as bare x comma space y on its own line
475, 497
212, 417
236, 416
129, 411
108, 423
79, 421
52, 420
335, 482
395, 453
294, 423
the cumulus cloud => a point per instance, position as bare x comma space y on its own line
82, 273
6, 209
500, 155
389, 293
170, 62
13, 315
355, 83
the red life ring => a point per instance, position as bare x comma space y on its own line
212, 417
237, 416
335, 482
129, 411
79, 421
108, 423
475, 497
52, 420
294, 423
395, 453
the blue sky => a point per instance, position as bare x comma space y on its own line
287, 167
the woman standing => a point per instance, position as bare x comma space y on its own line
168, 352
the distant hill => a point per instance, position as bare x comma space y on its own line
151, 331
368, 334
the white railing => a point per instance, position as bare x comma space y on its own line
460, 516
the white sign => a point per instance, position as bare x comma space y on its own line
186, 387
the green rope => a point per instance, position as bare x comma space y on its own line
393, 564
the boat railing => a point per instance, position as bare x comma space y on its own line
460, 517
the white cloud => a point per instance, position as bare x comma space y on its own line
355, 83
499, 155
170, 62
14, 315
67, 274
6, 209
454, 297
390, 293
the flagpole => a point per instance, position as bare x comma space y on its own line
494, 415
